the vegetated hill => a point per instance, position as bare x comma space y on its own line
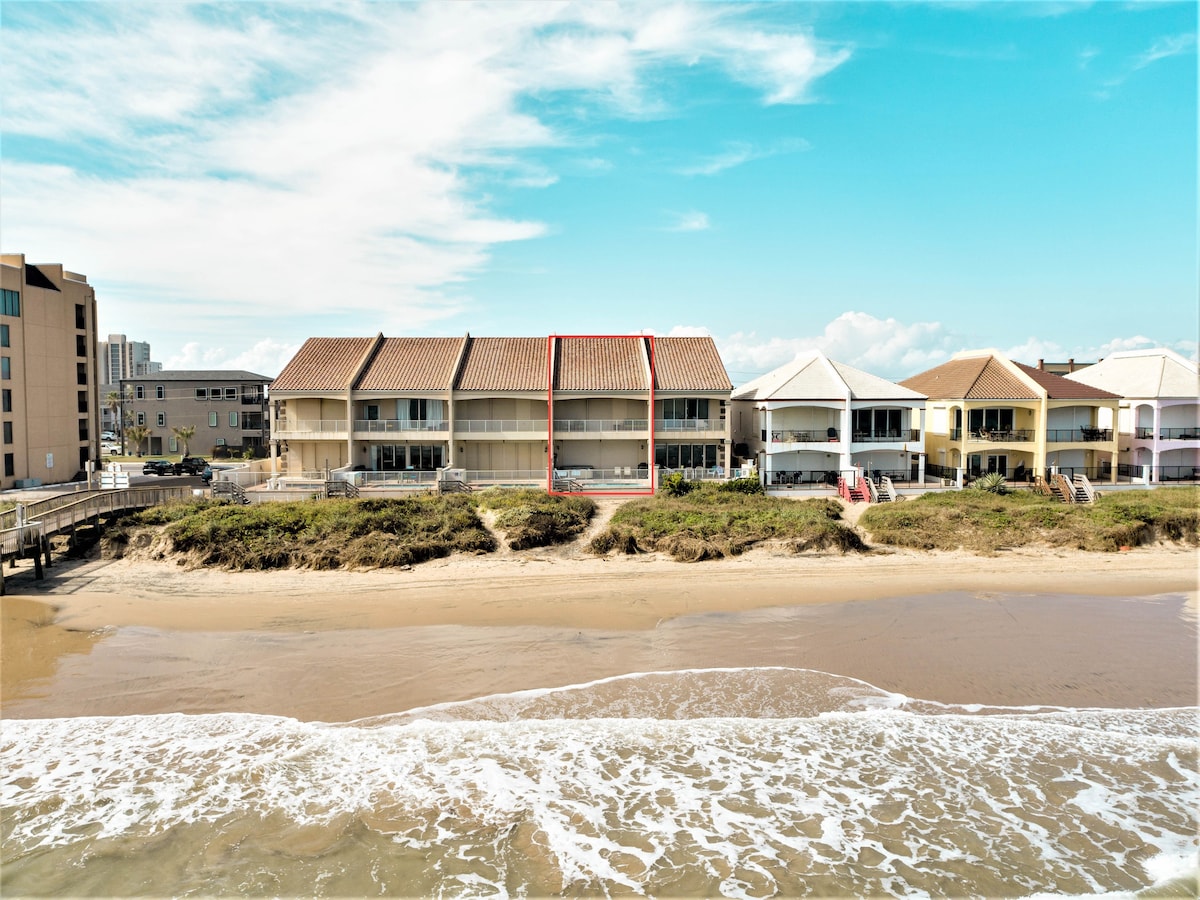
313, 534
711, 521
532, 518
984, 522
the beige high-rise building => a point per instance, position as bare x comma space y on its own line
49, 398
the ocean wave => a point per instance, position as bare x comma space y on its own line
842, 786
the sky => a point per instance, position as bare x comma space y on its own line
886, 182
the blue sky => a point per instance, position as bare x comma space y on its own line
890, 183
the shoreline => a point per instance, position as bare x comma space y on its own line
1022, 628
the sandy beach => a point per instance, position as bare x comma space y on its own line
1056, 628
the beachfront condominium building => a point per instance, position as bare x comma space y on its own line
226, 410
498, 410
48, 373
813, 419
1158, 422
986, 413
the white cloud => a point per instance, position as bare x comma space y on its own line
1165, 48
738, 153
692, 220
261, 163
266, 357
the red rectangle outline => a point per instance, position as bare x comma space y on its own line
550, 419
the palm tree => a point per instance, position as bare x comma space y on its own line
137, 434
184, 433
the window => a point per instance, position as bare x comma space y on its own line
212, 420
425, 457
172, 444
4, 338
83, 429
685, 408
979, 420
686, 456
876, 423
162, 420
83, 401
10, 463
5, 368
139, 392
160, 393
233, 420
84, 456
80, 316
10, 305
81, 373
6, 394
8, 432
230, 393
201, 393
81, 345
141, 418
220, 442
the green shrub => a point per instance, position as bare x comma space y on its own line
675, 485
742, 486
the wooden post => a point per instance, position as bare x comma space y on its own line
37, 560
46, 549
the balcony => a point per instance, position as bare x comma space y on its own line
490, 427
368, 428
1004, 435
689, 426
312, 429
1081, 434
1191, 433
585, 427
893, 436
792, 436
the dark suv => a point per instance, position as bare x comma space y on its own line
191, 465
158, 467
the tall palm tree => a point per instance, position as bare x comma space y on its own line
137, 434
184, 433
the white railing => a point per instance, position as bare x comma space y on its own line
505, 476
688, 425
391, 426
491, 426
402, 477
312, 426
573, 426
1081, 483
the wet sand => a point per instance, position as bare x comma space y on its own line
1045, 628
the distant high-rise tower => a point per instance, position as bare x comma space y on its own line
123, 358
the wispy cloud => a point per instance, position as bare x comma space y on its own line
692, 220
1164, 48
738, 153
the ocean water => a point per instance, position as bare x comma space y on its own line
748, 782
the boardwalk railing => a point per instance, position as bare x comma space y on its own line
61, 513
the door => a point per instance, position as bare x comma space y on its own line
998, 463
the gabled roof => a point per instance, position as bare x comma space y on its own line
975, 375
411, 364
600, 364
504, 364
688, 364
813, 376
323, 364
1143, 374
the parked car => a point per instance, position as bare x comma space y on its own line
108, 436
158, 467
191, 465
207, 474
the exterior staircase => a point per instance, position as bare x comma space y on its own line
1068, 490
339, 488
857, 494
231, 491
453, 486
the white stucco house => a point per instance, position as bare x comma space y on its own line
1158, 420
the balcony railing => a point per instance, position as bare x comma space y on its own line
688, 425
586, 426
790, 436
492, 426
1082, 433
1005, 435
312, 426
1191, 433
890, 436
391, 426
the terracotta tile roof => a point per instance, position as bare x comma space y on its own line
970, 378
600, 364
504, 364
412, 364
322, 364
689, 364
1060, 388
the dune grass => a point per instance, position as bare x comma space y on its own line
986, 522
707, 522
532, 518
318, 534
